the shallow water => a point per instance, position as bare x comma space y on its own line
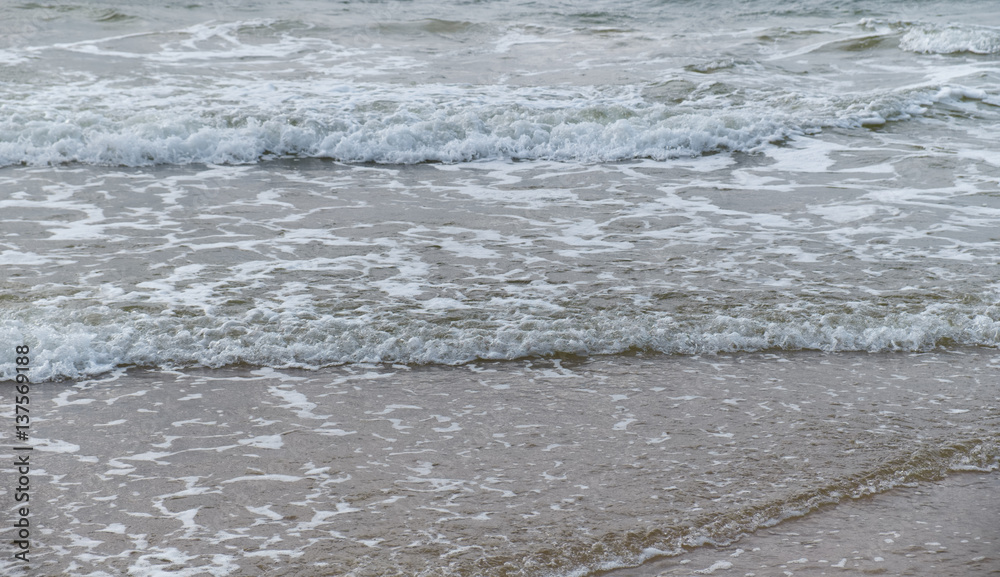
943, 529
656, 274
314, 263
820, 178
527, 468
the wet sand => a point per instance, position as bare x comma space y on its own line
541, 467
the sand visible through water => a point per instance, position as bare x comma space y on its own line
536, 467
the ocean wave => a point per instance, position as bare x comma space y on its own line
926, 38
954, 39
384, 124
403, 137
96, 340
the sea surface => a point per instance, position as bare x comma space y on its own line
334, 189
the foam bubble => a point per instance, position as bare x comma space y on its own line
954, 39
243, 122
70, 345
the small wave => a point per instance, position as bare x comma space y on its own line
717, 65
951, 40
97, 339
439, 123
924, 38
403, 137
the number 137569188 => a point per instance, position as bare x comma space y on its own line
21, 418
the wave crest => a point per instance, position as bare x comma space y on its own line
953, 39
382, 124
73, 346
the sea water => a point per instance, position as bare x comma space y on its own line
325, 186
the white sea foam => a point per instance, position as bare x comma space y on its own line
952, 39
241, 122
78, 349
567, 254
240, 91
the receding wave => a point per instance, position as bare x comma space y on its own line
96, 340
926, 464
